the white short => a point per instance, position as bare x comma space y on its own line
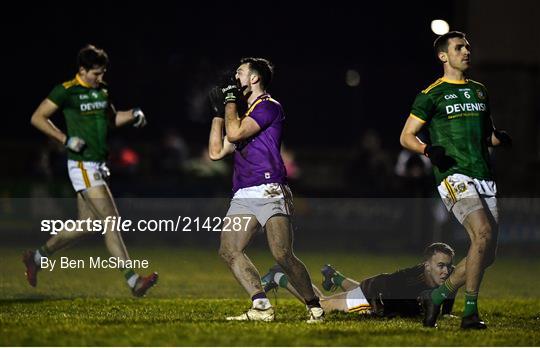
85, 174
462, 195
356, 301
263, 201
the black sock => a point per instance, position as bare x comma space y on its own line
313, 303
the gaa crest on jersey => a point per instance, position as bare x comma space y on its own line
480, 94
461, 187
95, 94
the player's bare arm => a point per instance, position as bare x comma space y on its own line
41, 120
218, 145
238, 129
409, 139
122, 118
134, 116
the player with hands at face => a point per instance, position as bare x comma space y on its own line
261, 196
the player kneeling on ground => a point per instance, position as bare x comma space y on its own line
385, 295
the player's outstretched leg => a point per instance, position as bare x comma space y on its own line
100, 202
274, 279
62, 239
332, 279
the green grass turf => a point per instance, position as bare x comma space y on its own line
92, 307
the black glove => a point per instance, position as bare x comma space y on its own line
216, 102
503, 136
448, 305
231, 93
439, 158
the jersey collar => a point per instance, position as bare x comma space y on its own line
259, 99
81, 82
264, 95
457, 82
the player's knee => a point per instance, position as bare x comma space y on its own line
227, 254
483, 236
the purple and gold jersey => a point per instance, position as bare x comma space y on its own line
257, 160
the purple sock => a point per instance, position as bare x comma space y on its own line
258, 295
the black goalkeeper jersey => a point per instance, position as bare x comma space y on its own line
392, 294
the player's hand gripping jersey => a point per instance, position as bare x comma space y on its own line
458, 118
85, 109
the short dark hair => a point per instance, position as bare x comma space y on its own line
91, 57
441, 43
438, 247
262, 67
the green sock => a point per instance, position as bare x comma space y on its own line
128, 273
283, 281
471, 304
443, 292
338, 279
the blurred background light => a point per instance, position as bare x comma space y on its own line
440, 26
352, 78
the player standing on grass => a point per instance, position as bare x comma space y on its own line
85, 103
457, 114
386, 294
261, 195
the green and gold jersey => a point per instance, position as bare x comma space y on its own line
85, 109
457, 116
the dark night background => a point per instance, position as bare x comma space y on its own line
165, 56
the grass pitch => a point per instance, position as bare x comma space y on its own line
92, 307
